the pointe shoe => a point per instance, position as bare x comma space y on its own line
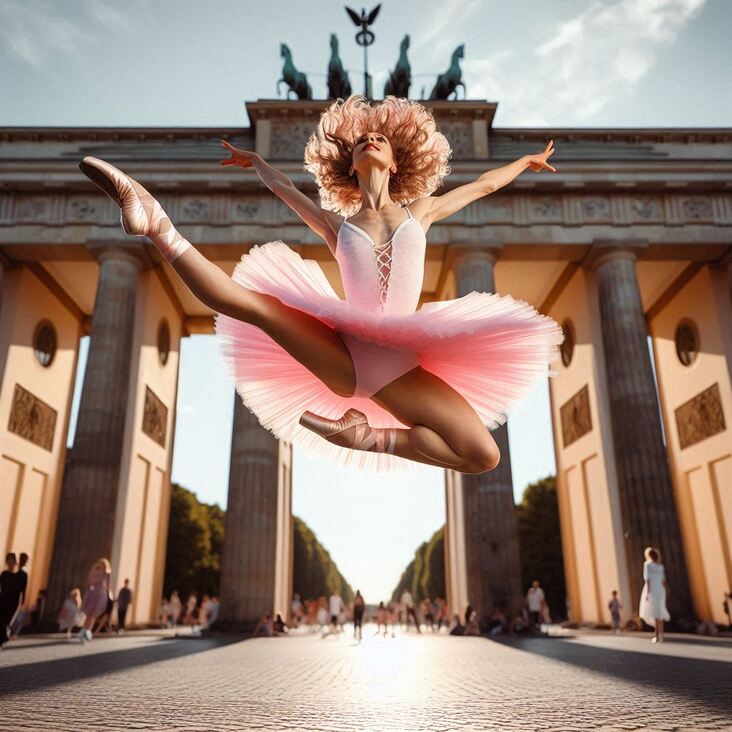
140, 213
365, 437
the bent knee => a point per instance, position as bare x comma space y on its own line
482, 458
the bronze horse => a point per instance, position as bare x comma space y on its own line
296, 81
448, 82
400, 79
339, 86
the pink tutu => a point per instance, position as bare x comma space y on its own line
491, 349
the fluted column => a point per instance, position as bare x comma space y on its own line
491, 533
250, 532
647, 503
86, 515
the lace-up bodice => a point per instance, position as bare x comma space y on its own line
384, 276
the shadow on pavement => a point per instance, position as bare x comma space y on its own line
700, 680
32, 676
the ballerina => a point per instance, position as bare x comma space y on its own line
367, 381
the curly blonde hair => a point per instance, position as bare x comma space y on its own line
421, 152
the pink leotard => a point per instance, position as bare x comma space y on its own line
387, 278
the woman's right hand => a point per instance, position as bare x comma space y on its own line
242, 158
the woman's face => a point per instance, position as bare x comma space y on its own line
372, 149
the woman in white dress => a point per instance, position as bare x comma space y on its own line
653, 598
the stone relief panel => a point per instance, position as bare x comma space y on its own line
595, 210
32, 419
32, 208
575, 416
545, 209
700, 417
697, 209
646, 209
154, 417
194, 209
80, 209
460, 136
289, 138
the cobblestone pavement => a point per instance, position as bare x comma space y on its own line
582, 682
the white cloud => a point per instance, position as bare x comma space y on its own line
37, 31
588, 63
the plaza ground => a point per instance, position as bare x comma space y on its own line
578, 681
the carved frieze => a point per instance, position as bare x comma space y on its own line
519, 208
575, 416
700, 417
32, 419
154, 417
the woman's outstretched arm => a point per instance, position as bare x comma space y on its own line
324, 223
435, 208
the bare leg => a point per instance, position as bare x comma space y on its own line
314, 344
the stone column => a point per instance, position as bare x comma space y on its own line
647, 502
491, 534
250, 533
86, 515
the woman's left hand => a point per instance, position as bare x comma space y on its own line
538, 162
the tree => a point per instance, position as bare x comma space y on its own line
424, 576
195, 545
541, 543
195, 542
314, 573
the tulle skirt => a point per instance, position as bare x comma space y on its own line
491, 349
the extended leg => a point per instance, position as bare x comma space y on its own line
315, 345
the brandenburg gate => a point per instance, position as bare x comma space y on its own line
628, 246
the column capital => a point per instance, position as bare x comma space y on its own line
460, 253
134, 254
607, 250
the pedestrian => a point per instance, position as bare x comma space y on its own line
70, 616
124, 600
652, 607
471, 627
614, 607
321, 616
336, 607
214, 606
175, 607
11, 594
279, 626
189, 618
382, 616
264, 627
408, 605
297, 610
442, 616
96, 596
428, 615
457, 627
536, 601
359, 606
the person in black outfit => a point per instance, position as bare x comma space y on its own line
359, 605
12, 590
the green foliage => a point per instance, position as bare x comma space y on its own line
424, 576
195, 543
541, 543
314, 573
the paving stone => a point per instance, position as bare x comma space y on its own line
431, 683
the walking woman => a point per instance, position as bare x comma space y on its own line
96, 597
653, 598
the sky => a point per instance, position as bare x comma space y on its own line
565, 63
